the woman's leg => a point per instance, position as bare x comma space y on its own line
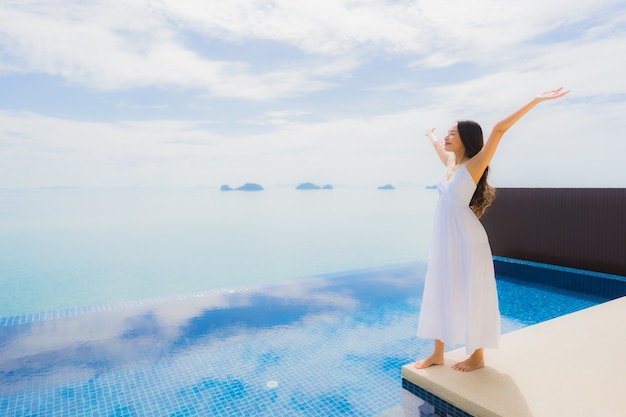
435, 359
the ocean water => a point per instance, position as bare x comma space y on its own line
63, 248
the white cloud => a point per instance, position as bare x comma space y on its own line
460, 59
109, 45
548, 148
491, 31
282, 117
326, 27
129, 44
181, 152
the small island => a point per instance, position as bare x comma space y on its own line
307, 186
387, 187
311, 186
249, 186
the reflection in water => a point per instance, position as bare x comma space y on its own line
308, 337
327, 345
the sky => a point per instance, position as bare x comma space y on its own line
200, 93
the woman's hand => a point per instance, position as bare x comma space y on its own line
430, 134
552, 94
443, 155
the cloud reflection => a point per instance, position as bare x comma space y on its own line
89, 345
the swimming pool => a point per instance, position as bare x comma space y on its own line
329, 345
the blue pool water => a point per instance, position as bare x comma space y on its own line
329, 345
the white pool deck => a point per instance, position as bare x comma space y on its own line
574, 365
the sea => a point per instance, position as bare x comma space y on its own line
74, 247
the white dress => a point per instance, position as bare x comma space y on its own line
460, 301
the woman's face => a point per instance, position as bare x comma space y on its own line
452, 141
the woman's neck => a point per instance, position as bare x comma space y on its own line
460, 159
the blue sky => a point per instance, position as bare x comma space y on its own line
202, 93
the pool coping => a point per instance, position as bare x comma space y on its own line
494, 390
554, 368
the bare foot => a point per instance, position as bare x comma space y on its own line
429, 361
476, 361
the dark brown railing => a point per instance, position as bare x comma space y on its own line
582, 228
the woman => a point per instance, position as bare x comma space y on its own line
460, 302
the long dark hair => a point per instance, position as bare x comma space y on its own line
472, 137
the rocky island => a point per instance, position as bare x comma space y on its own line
249, 186
311, 186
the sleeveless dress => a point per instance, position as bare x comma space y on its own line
460, 300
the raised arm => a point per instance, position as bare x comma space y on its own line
443, 155
476, 166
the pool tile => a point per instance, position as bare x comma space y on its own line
332, 346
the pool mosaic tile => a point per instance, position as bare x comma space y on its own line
324, 346
587, 282
434, 406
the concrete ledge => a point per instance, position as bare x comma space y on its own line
570, 366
